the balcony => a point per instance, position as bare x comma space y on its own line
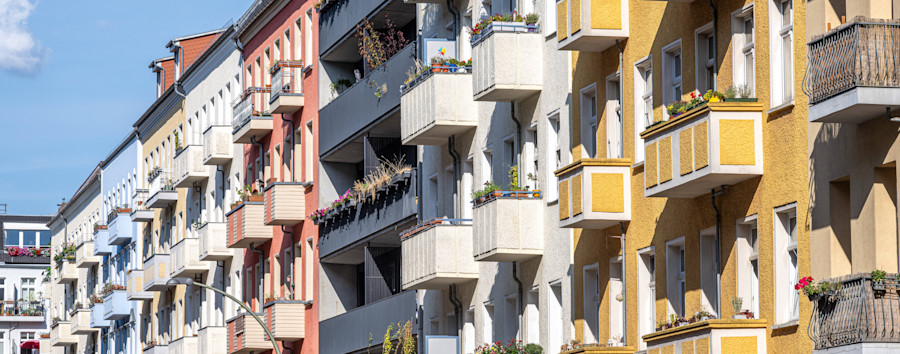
135, 288
391, 208
156, 272
81, 321
706, 147
97, 320
21, 311
153, 348
436, 106
358, 110
507, 62
101, 241
61, 334
212, 339
141, 211
863, 320
116, 305
66, 271
185, 345
595, 193
591, 25
285, 203
286, 319
186, 258
437, 253
120, 227
84, 255
245, 335
731, 336
246, 225
349, 331
252, 119
162, 189
852, 73
217, 145
287, 87
189, 167
212, 237
338, 20
505, 226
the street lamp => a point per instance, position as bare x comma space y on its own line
189, 282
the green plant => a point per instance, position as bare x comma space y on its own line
730, 92
437, 59
177, 142
399, 339
878, 275
737, 304
531, 18
489, 187
744, 91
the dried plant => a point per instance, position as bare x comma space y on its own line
375, 46
380, 177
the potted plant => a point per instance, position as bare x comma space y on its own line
878, 280
531, 20
437, 62
703, 315
737, 304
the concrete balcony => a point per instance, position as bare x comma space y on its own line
591, 25
287, 87
246, 225
116, 305
704, 148
135, 288
245, 335
162, 190
437, 253
730, 336
252, 119
97, 320
153, 348
45, 346
84, 255
101, 242
185, 345
81, 322
852, 75
156, 272
286, 319
507, 62
285, 203
61, 334
212, 339
189, 167
66, 271
349, 331
121, 230
141, 211
22, 311
217, 145
504, 224
436, 106
595, 193
212, 237
186, 258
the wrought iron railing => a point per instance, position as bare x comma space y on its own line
856, 314
860, 54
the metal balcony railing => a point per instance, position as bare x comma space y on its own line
251, 103
22, 308
285, 80
856, 314
860, 54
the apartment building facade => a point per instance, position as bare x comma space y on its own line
25, 281
686, 218
851, 84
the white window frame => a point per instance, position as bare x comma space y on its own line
533, 316
616, 317
615, 124
782, 69
555, 313
591, 297
468, 339
589, 122
530, 154
554, 156
548, 18
487, 163
307, 39
487, 317
786, 264
709, 281
744, 72
704, 62
646, 292
510, 317
676, 287
643, 103
672, 82
748, 263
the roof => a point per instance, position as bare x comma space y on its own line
172, 42
95, 174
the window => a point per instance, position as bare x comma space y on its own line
616, 302
748, 263
705, 58
646, 292
643, 112
709, 300
589, 121
555, 315
469, 332
554, 158
487, 328
549, 18
787, 306
308, 151
509, 149
287, 45
29, 289
745, 59
510, 318
591, 289
531, 169
672, 89
433, 196
614, 124
533, 316
2, 288
466, 185
487, 162
782, 48
309, 268
308, 39
675, 286
277, 53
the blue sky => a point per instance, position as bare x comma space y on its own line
73, 80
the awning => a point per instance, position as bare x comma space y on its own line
30, 344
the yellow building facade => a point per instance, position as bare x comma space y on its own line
722, 186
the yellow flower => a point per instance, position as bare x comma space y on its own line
714, 99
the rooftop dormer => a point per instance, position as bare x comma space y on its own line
164, 68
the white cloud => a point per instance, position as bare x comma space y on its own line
19, 51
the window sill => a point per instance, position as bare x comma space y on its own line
639, 164
792, 323
782, 107
553, 202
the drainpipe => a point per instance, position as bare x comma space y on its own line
624, 280
519, 301
457, 309
455, 155
516, 150
291, 281
717, 192
262, 267
715, 35
455, 13
175, 86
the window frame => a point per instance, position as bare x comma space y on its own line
672, 83
744, 72
704, 66
588, 117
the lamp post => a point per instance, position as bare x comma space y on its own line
189, 282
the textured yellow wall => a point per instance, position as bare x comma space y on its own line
562, 11
736, 142
606, 14
608, 192
654, 24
